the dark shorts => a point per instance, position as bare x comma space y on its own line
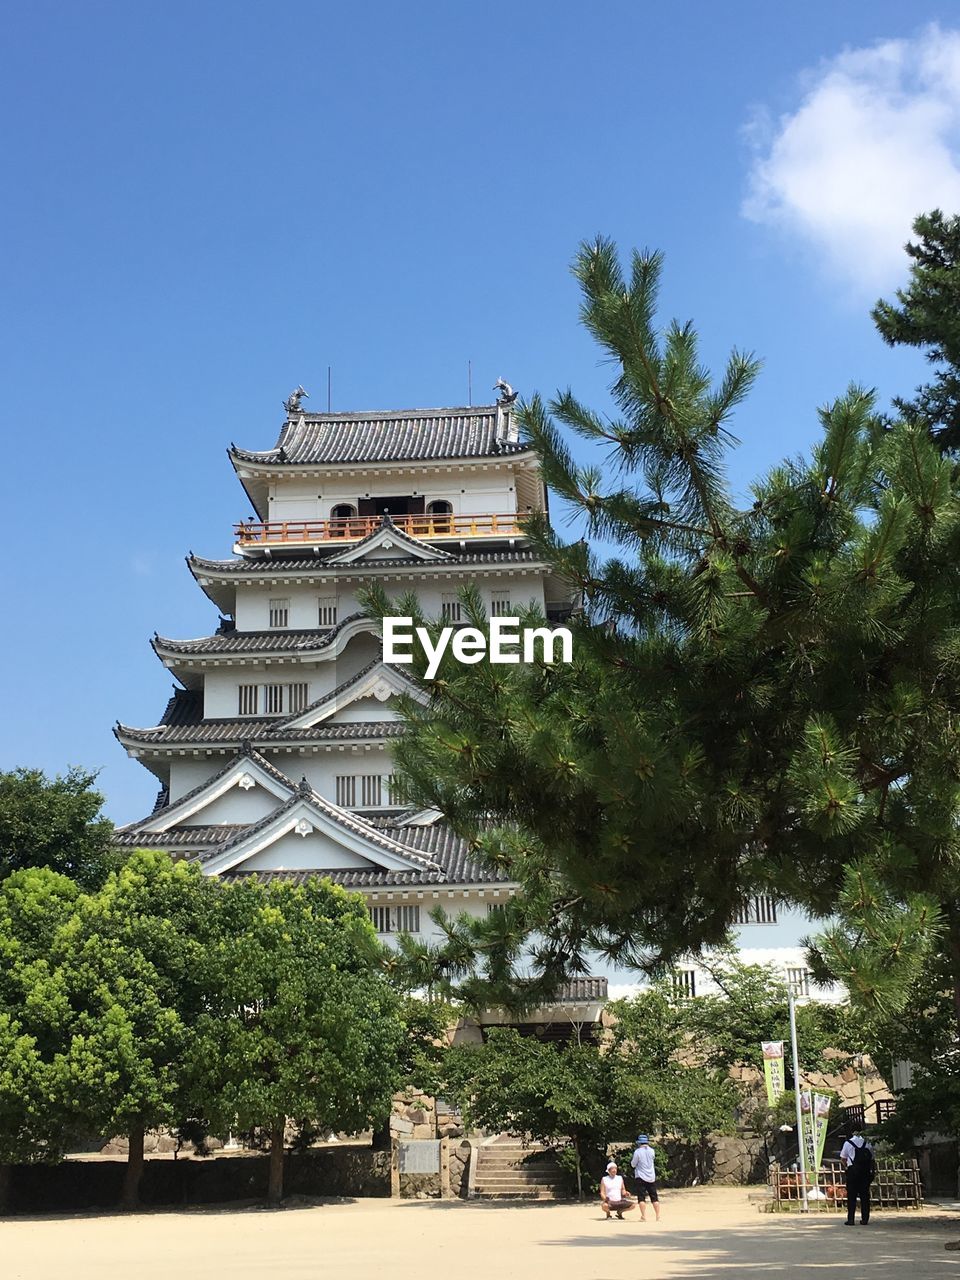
644, 1189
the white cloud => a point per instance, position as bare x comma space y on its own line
875, 141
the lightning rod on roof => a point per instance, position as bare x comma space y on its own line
329, 388
469, 382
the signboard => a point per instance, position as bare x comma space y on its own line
419, 1156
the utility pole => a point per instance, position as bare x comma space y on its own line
796, 1096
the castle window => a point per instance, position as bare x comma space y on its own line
346, 791
450, 607
759, 910
396, 919
297, 697
249, 699
440, 513
327, 611
798, 980
343, 511
274, 698
684, 983
279, 613
367, 791
500, 604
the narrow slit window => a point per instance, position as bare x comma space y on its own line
346, 791
798, 980
249, 699
404, 919
279, 613
500, 604
450, 607
327, 611
296, 697
684, 983
371, 790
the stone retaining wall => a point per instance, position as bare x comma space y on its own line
77, 1185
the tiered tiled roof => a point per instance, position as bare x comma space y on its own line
287, 640
263, 732
402, 435
317, 564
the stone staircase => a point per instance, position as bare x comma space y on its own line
507, 1170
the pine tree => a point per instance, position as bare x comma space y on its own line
928, 317
764, 697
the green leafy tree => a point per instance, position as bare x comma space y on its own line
56, 823
131, 970
926, 315
752, 1005
98, 992
34, 1122
302, 1022
591, 1095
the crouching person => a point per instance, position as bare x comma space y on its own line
613, 1194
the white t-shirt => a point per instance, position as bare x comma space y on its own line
613, 1186
642, 1163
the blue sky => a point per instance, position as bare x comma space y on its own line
206, 204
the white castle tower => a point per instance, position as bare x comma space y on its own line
273, 752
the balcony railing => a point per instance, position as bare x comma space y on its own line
353, 528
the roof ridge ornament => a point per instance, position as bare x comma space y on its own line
507, 393
507, 432
292, 402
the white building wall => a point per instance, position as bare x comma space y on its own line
321, 770
187, 774
481, 490
294, 852
253, 602
236, 805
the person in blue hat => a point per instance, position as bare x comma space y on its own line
645, 1175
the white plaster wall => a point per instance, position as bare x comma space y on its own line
304, 853
364, 709
220, 685
187, 774
476, 490
453, 904
236, 805
253, 602
321, 770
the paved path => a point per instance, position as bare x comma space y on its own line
707, 1233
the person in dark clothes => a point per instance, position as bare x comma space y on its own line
857, 1155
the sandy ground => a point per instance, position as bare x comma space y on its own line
705, 1233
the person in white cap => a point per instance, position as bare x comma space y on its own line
645, 1173
613, 1194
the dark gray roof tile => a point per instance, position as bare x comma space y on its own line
262, 733
394, 436
280, 641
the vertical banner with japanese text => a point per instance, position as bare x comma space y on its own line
773, 1069
808, 1137
821, 1114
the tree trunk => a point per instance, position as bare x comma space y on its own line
275, 1183
576, 1152
130, 1196
6, 1179
953, 942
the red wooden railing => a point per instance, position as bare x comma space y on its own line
347, 529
